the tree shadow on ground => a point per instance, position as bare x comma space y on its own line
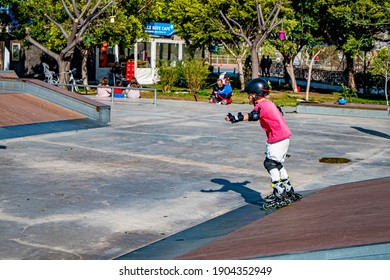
372, 132
250, 196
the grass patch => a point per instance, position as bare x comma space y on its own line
281, 96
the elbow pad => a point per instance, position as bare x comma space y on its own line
254, 115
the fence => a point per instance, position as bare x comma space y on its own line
71, 87
222, 59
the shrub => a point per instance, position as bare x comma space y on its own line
195, 73
348, 93
168, 76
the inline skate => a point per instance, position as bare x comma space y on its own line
277, 199
290, 193
283, 195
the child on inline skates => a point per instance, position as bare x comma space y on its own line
278, 134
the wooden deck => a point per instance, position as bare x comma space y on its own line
339, 216
20, 109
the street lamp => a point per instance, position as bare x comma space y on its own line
112, 17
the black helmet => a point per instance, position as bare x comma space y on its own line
258, 86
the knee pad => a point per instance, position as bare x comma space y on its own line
270, 164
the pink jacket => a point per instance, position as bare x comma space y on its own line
272, 121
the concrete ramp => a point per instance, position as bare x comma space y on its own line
20, 109
25, 115
32, 107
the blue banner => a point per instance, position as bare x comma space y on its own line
160, 29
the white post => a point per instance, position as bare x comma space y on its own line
116, 53
180, 52
7, 56
387, 97
135, 59
153, 59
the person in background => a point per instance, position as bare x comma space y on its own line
217, 87
224, 96
263, 64
116, 69
117, 89
131, 92
268, 63
222, 76
116, 72
103, 91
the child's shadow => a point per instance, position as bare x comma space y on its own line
250, 196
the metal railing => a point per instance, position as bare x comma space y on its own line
222, 59
112, 89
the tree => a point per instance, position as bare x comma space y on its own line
5, 18
381, 66
238, 25
252, 27
56, 28
352, 26
301, 30
200, 25
311, 54
121, 24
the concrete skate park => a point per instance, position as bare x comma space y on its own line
83, 178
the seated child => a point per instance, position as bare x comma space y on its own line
224, 96
103, 91
131, 92
118, 92
217, 87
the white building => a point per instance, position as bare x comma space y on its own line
143, 56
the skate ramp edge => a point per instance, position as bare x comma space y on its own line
347, 110
347, 221
94, 110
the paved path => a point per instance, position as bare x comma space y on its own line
159, 170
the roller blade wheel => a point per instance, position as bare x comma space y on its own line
276, 204
294, 196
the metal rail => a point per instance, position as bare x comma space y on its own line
112, 89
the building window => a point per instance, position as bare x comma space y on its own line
15, 50
143, 56
168, 53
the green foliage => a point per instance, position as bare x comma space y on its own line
352, 24
5, 19
123, 32
196, 21
381, 63
348, 93
168, 76
195, 72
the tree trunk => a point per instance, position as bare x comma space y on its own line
84, 53
310, 70
309, 79
63, 69
290, 74
240, 66
350, 72
255, 62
